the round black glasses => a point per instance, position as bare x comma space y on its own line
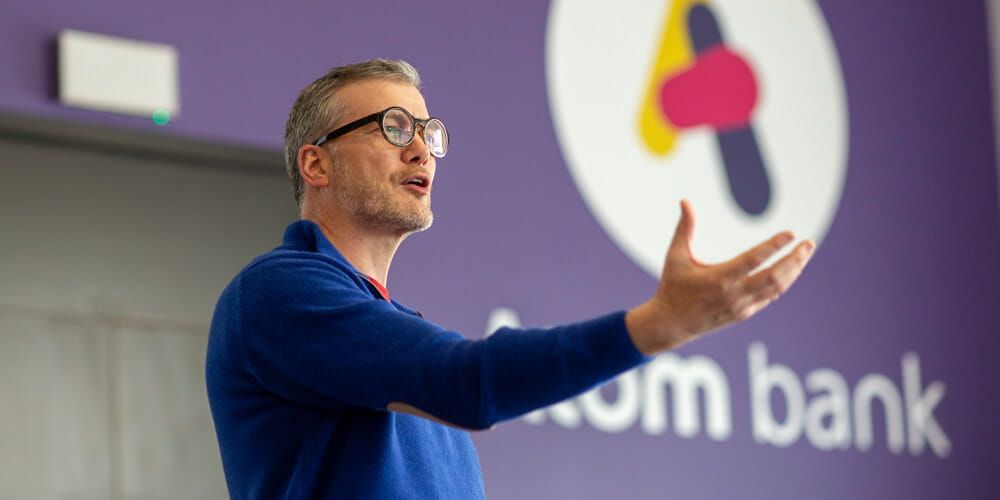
399, 128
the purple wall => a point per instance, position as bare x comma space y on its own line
909, 264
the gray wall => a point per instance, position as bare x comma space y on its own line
110, 266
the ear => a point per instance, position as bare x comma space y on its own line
314, 165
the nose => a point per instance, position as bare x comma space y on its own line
417, 152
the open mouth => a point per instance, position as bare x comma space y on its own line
420, 182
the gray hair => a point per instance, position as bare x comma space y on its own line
314, 111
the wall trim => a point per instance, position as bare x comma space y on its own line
140, 143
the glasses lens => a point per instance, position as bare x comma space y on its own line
436, 137
398, 127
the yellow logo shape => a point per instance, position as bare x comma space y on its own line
674, 54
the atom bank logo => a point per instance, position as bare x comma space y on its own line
716, 88
738, 106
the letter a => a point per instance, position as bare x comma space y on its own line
763, 379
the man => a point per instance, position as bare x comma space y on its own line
322, 386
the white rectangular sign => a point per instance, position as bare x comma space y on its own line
117, 74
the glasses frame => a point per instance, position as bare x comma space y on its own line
380, 118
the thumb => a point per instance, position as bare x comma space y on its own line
680, 246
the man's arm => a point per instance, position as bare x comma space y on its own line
308, 333
311, 335
694, 298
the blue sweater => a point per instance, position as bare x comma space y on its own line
304, 356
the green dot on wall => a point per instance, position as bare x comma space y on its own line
161, 117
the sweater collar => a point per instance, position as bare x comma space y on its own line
306, 235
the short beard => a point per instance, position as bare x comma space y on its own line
376, 210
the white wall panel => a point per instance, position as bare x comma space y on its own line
54, 425
168, 446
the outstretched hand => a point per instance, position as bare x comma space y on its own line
694, 298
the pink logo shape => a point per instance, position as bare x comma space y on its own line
719, 90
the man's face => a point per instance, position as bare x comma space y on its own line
369, 177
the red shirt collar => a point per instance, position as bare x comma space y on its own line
382, 290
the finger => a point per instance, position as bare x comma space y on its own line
770, 283
749, 260
680, 245
756, 307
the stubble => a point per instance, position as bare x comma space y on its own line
384, 207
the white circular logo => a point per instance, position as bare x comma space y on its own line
737, 106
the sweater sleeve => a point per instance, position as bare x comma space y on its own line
313, 336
